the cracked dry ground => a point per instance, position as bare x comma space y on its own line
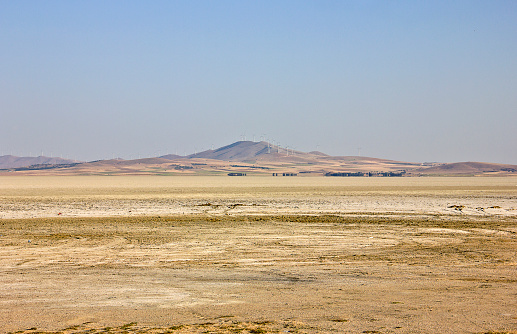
259, 274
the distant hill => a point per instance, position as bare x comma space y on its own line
250, 158
122, 162
11, 161
239, 151
467, 168
249, 151
171, 156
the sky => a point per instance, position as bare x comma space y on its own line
419, 81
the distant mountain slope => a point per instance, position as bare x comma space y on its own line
251, 158
260, 153
11, 161
171, 156
467, 168
239, 151
122, 162
250, 151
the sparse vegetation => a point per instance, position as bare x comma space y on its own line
257, 259
133, 328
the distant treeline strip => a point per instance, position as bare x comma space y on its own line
351, 174
256, 167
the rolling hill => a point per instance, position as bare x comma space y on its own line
249, 151
467, 168
251, 158
11, 161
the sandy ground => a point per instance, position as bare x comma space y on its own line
90, 196
258, 255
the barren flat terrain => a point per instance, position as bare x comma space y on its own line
258, 255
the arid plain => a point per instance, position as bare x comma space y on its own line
180, 254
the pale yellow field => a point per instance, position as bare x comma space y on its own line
258, 255
30, 197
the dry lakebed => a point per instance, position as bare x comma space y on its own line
159, 254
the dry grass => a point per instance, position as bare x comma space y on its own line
232, 264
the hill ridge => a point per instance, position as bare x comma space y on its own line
251, 157
12, 161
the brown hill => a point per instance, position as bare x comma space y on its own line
119, 166
251, 158
11, 161
261, 158
255, 152
171, 156
467, 168
238, 151
122, 162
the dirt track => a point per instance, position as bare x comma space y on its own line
225, 269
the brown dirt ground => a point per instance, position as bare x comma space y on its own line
273, 274
247, 271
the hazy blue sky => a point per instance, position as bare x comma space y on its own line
406, 80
